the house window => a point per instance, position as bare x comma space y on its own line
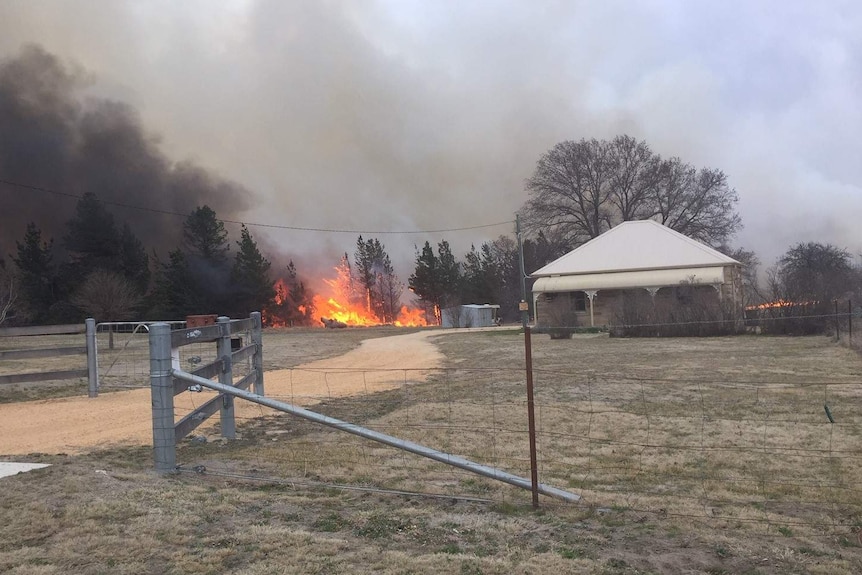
579, 301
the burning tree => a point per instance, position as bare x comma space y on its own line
376, 277
436, 279
293, 302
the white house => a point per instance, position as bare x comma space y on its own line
634, 258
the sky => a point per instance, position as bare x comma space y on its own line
400, 115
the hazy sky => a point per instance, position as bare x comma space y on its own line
400, 115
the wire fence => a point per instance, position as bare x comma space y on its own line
747, 431
779, 452
124, 355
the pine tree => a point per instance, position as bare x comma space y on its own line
94, 243
387, 291
37, 275
253, 289
205, 235
174, 291
92, 240
474, 281
364, 260
206, 257
134, 262
425, 281
450, 275
376, 278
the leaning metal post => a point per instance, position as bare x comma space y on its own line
92, 362
528, 353
257, 359
405, 445
228, 421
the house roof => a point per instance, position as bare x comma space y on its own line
634, 246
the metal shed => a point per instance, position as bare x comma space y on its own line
470, 315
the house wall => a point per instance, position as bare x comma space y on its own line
609, 304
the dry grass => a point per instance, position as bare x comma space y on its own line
693, 456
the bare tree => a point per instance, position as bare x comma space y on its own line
8, 291
107, 296
804, 285
635, 177
750, 264
697, 203
582, 189
570, 190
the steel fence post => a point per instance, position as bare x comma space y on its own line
92, 359
162, 390
257, 361
228, 420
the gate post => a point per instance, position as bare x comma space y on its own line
228, 421
257, 359
92, 361
162, 390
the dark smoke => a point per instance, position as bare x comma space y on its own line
54, 135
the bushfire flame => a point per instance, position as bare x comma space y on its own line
778, 304
335, 306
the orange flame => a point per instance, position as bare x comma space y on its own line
778, 304
339, 307
331, 308
269, 317
410, 317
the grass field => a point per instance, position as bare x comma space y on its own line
692, 456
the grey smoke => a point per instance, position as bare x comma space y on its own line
56, 139
392, 115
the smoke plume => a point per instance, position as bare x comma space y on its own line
388, 115
57, 137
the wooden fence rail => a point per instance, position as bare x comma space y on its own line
91, 371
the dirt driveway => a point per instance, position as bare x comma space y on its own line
79, 424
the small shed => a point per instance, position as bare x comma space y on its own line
470, 315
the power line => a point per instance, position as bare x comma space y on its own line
255, 224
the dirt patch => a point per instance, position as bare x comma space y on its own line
79, 424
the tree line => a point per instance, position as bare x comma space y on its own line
578, 190
106, 272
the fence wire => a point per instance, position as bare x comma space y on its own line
755, 451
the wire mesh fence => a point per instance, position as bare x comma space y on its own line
768, 447
124, 356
